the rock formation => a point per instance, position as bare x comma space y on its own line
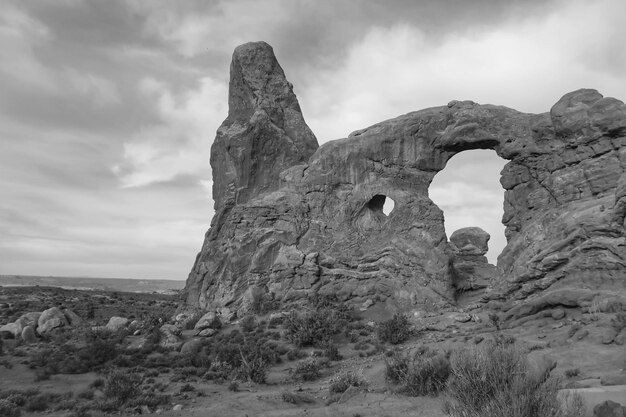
471, 272
292, 220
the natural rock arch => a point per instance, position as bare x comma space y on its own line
286, 223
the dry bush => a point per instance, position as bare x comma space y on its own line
308, 370
253, 365
297, 398
9, 409
248, 324
314, 328
619, 321
121, 386
424, 374
346, 380
395, 330
497, 380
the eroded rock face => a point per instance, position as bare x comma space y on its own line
292, 221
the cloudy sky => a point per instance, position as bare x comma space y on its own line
108, 108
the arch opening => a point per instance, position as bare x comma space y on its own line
469, 193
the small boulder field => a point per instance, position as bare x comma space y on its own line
61, 356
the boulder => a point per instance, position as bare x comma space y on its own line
226, 315
613, 379
10, 331
293, 220
116, 323
462, 317
135, 326
608, 409
470, 241
183, 319
558, 314
51, 319
608, 336
207, 321
191, 347
170, 337
72, 318
620, 339
15, 329
206, 332
28, 334
30, 319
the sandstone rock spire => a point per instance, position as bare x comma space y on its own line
264, 132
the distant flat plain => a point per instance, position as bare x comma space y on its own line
87, 283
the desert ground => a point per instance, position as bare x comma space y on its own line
151, 359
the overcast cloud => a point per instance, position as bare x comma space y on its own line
108, 108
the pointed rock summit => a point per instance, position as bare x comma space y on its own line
264, 132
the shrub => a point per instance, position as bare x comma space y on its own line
248, 324
37, 403
100, 347
308, 370
86, 394
187, 388
570, 373
495, 321
264, 304
331, 351
346, 380
297, 398
497, 380
294, 354
425, 374
97, 383
396, 368
314, 328
619, 321
122, 386
253, 366
395, 330
9, 409
80, 412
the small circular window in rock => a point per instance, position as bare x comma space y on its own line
381, 204
375, 212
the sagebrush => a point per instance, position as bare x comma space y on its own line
497, 380
395, 330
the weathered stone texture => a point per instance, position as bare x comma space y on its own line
291, 221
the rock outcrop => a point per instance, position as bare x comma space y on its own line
51, 319
471, 272
291, 221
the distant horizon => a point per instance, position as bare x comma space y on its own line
90, 277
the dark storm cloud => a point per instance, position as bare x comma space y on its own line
325, 34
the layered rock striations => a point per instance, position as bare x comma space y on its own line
292, 220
